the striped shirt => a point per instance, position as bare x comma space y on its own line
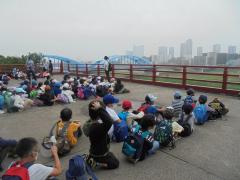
177, 105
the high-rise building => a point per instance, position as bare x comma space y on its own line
232, 49
217, 48
155, 59
163, 54
199, 51
138, 51
186, 49
129, 53
171, 53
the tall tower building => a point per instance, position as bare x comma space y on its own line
138, 51
217, 48
186, 49
171, 53
232, 49
199, 51
163, 54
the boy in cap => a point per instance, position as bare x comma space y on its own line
177, 104
109, 100
128, 116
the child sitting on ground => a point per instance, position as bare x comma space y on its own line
27, 149
186, 120
68, 92
21, 102
128, 116
177, 104
119, 87
72, 129
219, 107
148, 106
190, 98
202, 111
47, 97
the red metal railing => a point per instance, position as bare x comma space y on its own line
215, 79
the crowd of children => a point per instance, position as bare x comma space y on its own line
143, 131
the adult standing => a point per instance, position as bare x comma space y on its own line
107, 67
30, 68
50, 67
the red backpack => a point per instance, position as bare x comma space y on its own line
17, 171
143, 108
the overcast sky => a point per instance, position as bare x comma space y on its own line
90, 29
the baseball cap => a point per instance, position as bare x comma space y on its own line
151, 97
110, 99
126, 104
177, 94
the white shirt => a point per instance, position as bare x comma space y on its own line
69, 94
39, 172
114, 116
106, 64
18, 101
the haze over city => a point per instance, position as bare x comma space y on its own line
88, 30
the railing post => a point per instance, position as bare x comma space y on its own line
86, 69
61, 67
98, 69
184, 77
154, 73
77, 69
225, 79
131, 72
113, 71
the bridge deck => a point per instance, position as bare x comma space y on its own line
211, 152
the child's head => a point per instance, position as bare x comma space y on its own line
168, 113
27, 148
202, 99
109, 100
177, 95
148, 122
126, 105
66, 114
94, 113
190, 92
149, 99
187, 108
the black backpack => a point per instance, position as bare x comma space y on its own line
187, 131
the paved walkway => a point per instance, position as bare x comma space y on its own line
211, 152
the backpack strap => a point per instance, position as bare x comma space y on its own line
187, 119
51, 131
63, 132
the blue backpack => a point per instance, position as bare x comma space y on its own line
123, 115
188, 100
200, 113
133, 144
120, 131
79, 170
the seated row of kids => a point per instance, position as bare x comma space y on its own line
143, 131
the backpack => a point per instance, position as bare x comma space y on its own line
186, 126
143, 108
86, 127
17, 171
189, 100
80, 93
133, 145
120, 131
63, 98
62, 144
123, 115
200, 113
163, 133
78, 169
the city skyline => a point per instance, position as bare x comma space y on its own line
88, 30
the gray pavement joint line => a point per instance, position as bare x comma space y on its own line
194, 165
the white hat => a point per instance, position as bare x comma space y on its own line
66, 85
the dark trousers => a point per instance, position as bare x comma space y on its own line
107, 75
110, 160
29, 72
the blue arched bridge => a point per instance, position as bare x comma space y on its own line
116, 59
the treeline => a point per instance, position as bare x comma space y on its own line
36, 57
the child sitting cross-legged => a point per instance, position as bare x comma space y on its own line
127, 115
66, 127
